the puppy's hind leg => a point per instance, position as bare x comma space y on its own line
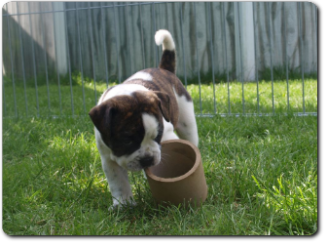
187, 125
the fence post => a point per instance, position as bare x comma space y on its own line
60, 37
247, 53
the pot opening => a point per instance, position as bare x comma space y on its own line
177, 159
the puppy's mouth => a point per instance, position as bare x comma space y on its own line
142, 163
146, 161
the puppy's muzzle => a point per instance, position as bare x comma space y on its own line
146, 161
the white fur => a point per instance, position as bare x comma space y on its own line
151, 125
141, 75
117, 176
164, 37
187, 125
168, 131
118, 181
121, 89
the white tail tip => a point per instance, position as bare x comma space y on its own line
164, 37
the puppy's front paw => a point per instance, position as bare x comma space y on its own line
123, 204
113, 207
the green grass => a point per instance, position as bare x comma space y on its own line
60, 100
205, 99
261, 172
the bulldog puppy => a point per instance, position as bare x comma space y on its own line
133, 118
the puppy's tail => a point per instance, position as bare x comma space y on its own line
164, 38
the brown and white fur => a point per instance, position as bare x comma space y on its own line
133, 118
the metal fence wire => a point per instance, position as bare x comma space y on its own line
235, 58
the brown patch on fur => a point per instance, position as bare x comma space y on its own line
168, 60
128, 114
164, 81
164, 91
155, 100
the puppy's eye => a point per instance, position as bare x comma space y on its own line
127, 141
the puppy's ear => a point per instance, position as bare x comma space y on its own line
101, 116
164, 105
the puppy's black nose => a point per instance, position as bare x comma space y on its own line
146, 161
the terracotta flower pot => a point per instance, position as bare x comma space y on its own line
179, 178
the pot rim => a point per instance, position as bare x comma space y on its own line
196, 163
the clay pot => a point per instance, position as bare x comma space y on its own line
179, 178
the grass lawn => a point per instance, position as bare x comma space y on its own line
261, 171
64, 100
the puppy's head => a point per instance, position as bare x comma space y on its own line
132, 127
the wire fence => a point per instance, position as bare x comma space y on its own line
59, 57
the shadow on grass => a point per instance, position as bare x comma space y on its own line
52, 100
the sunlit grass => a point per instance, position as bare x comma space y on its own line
257, 99
297, 201
80, 98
